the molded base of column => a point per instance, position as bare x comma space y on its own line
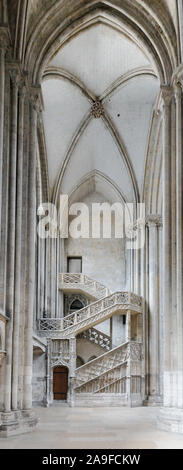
17, 422
153, 400
170, 419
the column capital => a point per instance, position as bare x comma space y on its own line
35, 96
154, 220
166, 94
177, 90
15, 72
22, 89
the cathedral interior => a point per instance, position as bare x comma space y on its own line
90, 110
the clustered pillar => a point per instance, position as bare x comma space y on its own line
19, 107
153, 327
171, 415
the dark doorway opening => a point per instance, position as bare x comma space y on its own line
60, 383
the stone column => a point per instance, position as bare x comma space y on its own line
11, 239
171, 416
48, 373
166, 180
31, 253
3, 48
128, 326
178, 383
72, 367
153, 222
18, 250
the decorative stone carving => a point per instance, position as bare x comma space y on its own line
85, 283
166, 95
154, 220
69, 299
97, 109
97, 337
90, 315
106, 372
177, 91
35, 96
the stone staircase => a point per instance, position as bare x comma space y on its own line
97, 337
115, 377
70, 283
116, 373
96, 312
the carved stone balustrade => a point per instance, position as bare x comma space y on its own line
118, 303
70, 282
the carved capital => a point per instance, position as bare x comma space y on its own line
166, 94
22, 90
154, 220
15, 73
177, 91
35, 97
97, 109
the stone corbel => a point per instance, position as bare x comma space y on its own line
167, 93
14, 72
36, 98
177, 90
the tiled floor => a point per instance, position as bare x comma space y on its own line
62, 427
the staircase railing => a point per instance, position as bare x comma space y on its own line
106, 361
107, 369
76, 280
97, 337
92, 314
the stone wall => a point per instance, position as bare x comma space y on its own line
39, 379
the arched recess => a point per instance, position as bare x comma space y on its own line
97, 187
96, 180
136, 20
79, 361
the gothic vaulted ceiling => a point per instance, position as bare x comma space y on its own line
99, 92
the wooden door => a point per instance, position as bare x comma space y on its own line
60, 383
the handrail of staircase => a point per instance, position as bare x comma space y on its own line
126, 298
88, 372
97, 337
80, 278
108, 353
96, 377
110, 383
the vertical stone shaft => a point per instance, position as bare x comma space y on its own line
3, 45
18, 246
31, 231
154, 321
11, 243
179, 244
166, 242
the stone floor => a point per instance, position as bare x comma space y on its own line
61, 427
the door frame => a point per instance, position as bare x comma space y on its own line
61, 364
